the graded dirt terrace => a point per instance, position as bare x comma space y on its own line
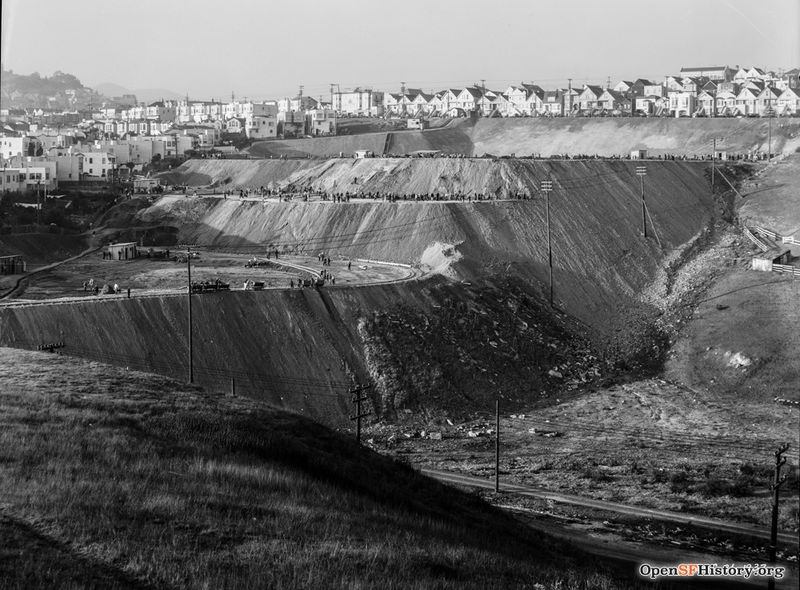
152, 276
602, 136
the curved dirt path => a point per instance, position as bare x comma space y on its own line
676, 517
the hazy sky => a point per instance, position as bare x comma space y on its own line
260, 48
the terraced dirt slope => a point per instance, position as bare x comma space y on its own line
523, 137
599, 253
302, 347
610, 136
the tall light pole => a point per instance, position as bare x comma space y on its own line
641, 171
546, 187
189, 295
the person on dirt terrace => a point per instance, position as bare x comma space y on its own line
291, 283
349, 264
116, 288
84, 286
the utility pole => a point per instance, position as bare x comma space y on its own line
189, 295
38, 205
547, 187
358, 399
780, 461
497, 445
713, 163
769, 141
641, 171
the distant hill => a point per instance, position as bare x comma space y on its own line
59, 91
110, 89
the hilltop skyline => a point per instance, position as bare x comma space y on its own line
190, 51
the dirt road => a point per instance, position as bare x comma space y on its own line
688, 519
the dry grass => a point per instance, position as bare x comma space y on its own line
116, 479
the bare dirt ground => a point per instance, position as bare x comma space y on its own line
152, 275
700, 439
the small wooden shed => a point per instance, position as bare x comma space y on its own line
122, 251
765, 260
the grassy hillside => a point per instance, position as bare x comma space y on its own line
524, 137
118, 479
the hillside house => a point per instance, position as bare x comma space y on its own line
788, 102
767, 101
468, 98
449, 99
517, 97
682, 103
588, 99
552, 103
673, 83
359, 101
98, 164
391, 103
614, 101
422, 104
263, 127
535, 99
747, 101
694, 84
726, 103
623, 86
706, 104
435, 104
792, 78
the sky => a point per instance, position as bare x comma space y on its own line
266, 49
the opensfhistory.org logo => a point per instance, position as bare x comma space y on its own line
712, 570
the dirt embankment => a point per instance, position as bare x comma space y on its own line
432, 346
524, 137
599, 253
469, 341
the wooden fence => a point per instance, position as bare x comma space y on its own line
751, 236
785, 268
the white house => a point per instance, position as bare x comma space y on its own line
706, 104
98, 164
788, 102
611, 100
588, 99
552, 104
14, 146
767, 101
682, 103
747, 101
261, 126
